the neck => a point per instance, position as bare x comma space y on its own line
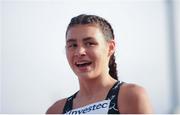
91, 87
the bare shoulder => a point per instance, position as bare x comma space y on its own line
57, 107
133, 98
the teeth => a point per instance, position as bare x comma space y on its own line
83, 62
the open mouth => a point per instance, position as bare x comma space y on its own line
83, 64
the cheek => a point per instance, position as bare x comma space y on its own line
69, 56
103, 56
93, 53
98, 54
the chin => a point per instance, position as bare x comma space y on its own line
87, 76
83, 75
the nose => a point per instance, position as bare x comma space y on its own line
80, 51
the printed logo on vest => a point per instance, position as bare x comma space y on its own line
100, 107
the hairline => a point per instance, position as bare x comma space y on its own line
90, 24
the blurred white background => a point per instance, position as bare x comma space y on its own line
34, 72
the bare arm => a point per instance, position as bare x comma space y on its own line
56, 108
133, 99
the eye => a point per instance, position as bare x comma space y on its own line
72, 45
90, 44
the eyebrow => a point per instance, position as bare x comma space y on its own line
70, 40
74, 40
87, 38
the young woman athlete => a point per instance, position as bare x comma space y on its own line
90, 49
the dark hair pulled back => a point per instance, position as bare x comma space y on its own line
106, 29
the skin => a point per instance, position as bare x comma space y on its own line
86, 43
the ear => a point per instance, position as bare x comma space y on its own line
111, 44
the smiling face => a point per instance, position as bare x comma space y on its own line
87, 51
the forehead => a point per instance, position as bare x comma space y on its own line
83, 31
